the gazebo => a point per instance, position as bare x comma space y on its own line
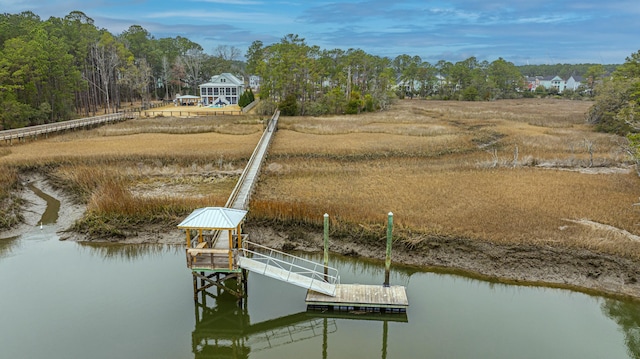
209, 250
187, 100
213, 244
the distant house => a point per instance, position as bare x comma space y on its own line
254, 83
556, 82
221, 90
550, 82
574, 82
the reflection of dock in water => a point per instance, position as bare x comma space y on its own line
225, 330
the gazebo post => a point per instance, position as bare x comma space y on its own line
230, 249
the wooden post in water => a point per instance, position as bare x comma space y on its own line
387, 261
326, 247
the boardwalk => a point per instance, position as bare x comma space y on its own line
35, 131
241, 194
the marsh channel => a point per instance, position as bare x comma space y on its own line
65, 299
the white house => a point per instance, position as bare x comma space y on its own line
254, 83
221, 90
549, 82
574, 82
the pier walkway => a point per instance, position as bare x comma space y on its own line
35, 131
241, 194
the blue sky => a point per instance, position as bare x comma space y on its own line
532, 31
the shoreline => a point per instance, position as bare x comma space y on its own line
575, 269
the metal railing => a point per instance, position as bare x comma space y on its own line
291, 264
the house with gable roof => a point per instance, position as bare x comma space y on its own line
222, 90
574, 82
557, 82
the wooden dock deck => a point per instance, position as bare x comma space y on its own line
360, 297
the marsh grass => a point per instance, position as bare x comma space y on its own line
133, 173
113, 211
10, 202
508, 172
122, 198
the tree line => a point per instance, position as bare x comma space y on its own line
305, 79
616, 107
61, 68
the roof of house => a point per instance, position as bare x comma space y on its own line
224, 78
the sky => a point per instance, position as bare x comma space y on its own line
520, 31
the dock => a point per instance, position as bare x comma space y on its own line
217, 252
360, 297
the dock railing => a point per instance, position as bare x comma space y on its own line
289, 268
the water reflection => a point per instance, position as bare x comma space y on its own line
50, 214
225, 329
129, 252
627, 316
7, 245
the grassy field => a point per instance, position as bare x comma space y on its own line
515, 172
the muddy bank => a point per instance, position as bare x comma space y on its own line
581, 270
35, 206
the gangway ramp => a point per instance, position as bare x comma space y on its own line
290, 269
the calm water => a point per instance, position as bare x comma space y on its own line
68, 300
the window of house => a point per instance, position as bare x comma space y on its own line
215, 91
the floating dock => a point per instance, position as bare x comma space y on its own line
359, 297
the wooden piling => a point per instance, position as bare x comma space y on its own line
387, 261
326, 246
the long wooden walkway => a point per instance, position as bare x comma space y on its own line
35, 131
241, 194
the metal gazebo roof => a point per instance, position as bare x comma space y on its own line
214, 218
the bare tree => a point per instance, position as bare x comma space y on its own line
193, 61
227, 53
107, 60
137, 77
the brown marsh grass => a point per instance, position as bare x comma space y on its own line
141, 171
509, 172
9, 201
513, 172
